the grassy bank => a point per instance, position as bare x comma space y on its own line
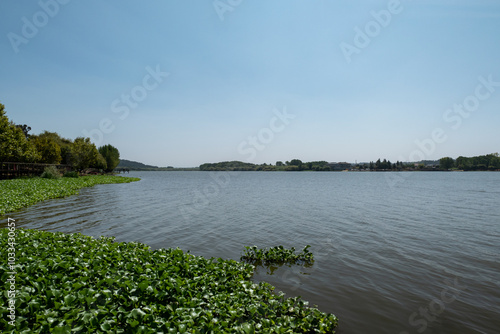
19, 193
75, 283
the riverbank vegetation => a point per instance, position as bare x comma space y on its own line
480, 162
19, 193
75, 283
17, 145
293, 165
476, 163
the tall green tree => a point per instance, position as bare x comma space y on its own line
25, 128
48, 148
446, 163
111, 155
495, 161
84, 155
14, 146
296, 162
64, 144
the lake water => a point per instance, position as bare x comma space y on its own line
395, 252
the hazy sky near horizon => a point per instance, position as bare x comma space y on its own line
181, 83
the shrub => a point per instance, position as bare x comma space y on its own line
50, 172
71, 174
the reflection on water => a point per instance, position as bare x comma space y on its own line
419, 257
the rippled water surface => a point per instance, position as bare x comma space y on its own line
395, 252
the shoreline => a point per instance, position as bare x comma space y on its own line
311, 171
16, 194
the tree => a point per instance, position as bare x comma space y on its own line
463, 163
446, 163
295, 162
100, 163
13, 143
84, 155
25, 129
111, 155
279, 163
494, 162
48, 148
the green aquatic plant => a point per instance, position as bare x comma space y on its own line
19, 193
277, 255
71, 283
71, 174
50, 172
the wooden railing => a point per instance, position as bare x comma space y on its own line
11, 170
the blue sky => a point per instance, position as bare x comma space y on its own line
68, 66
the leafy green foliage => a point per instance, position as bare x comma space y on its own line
480, 162
295, 162
48, 148
228, 166
50, 172
446, 163
74, 283
71, 174
84, 155
63, 143
111, 155
20, 193
25, 128
277, 255
13, 143
100, 163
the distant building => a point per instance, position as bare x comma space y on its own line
339, 165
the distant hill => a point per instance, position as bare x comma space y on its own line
134, 165
139, 166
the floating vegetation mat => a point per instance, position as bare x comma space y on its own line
19, 193
277, 255
71, 283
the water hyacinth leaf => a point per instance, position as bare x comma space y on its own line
20, 193
106, 326
277, 255
175, 292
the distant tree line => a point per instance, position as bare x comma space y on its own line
480, 162
292, 165
17, 145
384, 165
